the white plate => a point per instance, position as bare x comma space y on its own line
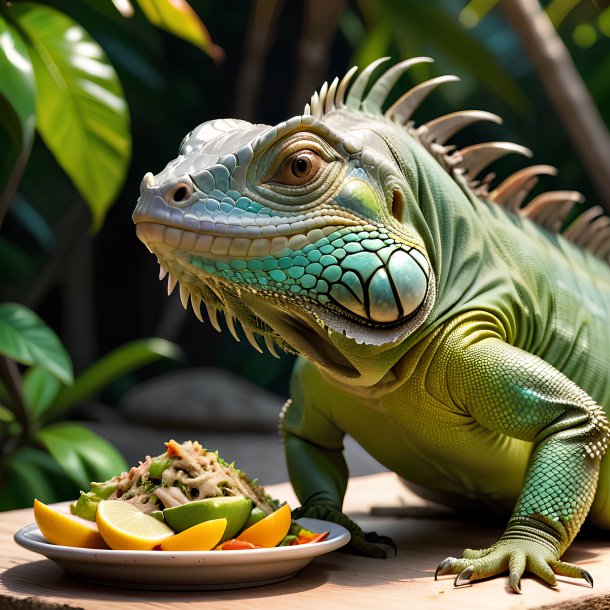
186, 570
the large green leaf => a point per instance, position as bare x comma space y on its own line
17, 84
81, 111
25, 338
83, 455
39, 390
32, 473
17, 111
113, 366
178, 18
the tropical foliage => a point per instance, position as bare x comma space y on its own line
57, 80
94, 93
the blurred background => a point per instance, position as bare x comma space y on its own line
95, 93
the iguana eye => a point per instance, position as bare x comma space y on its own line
298, 169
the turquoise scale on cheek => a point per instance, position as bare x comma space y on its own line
364, 272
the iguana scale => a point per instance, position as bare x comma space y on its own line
444, 324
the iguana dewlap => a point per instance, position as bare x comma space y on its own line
448, 328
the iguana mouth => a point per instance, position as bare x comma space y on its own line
294, 322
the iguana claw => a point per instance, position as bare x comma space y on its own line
463, 577
374, 537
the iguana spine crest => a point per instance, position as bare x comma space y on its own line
589, 230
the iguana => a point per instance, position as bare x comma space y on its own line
443, 323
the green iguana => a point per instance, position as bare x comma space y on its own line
449, 328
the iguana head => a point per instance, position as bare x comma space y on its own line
309, 233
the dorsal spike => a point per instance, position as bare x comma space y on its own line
511, 192
354, 97
315, 104
379, 91
440, 130
550, 209
307, 110
323, 92
472, 160
402, 110
343, 84
599, 245
329, 106
580, 230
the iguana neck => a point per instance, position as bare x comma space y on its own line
447, 220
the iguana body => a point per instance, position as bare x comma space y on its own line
462, 345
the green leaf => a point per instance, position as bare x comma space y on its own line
30, 473
178, 18
113, 366
81, 111
25, 338
17, 111
17, 84
6, 415
39, 390
83, 455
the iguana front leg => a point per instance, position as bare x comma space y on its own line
314, 454
515, 393
319, 477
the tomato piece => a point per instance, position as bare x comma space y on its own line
237, 545
305, 537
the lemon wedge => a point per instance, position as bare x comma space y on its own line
61, 528
124, 527
270, 531
201, 537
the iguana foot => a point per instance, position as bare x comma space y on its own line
361, 543
516, 556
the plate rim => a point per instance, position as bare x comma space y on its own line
338, 537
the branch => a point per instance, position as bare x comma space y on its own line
565, 88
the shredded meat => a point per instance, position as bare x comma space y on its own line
190, 472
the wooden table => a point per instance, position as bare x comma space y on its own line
335, 581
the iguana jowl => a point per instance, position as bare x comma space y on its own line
443, 324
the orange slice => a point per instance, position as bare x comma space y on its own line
201, 537
270, 531
68, 530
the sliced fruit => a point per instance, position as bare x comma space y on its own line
235, 509
61, 528
201, 537
124, 527
270, 531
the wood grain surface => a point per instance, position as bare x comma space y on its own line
335, 581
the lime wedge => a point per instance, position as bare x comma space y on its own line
235, 509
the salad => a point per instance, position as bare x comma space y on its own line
187, 498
